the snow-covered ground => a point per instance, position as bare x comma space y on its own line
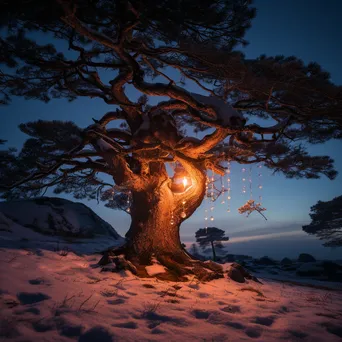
52, 290
50, 296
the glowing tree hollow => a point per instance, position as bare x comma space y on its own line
131, 43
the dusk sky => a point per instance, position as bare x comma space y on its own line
309, 30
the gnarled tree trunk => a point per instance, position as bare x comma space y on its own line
156, 219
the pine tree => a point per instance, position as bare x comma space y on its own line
326, 222
109, 45
211, 236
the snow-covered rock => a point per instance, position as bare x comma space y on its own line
54, 224
304, 257
56, 216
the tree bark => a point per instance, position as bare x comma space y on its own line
151, 231
154, 232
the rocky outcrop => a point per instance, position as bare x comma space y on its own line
239, 274
265, 261
286, 261
324, 270
57, 217
304, 257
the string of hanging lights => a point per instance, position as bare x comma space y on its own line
260, 182
129, 201
172, 219
206, 201
247, 187
243, 180
212, 194
228, 186
223, 190
183, 213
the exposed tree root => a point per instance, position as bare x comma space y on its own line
178, 266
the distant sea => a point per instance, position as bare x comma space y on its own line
278, 246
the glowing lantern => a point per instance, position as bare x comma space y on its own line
180, 180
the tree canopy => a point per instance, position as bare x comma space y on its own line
326, 222
98, 49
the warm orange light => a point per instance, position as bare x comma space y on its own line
181, 181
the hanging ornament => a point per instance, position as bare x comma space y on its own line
228, 186
212, 195
212, 186
206, 199
223, 190
183, 213
172, 219
128, 202
243, 180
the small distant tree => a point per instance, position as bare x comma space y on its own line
194, 249
211, 236
326, 222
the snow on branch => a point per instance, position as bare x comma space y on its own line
226, 114
280, 126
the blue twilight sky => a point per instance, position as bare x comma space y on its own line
306, 29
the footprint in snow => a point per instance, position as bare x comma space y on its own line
97, 334
203, 295
36, 281
69, 330
201, 314
333, 328
127, 325
298, 334
235, 325
219, 302
267, 321
31, 298
43, 325
253, 332
157, 331
156, 319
